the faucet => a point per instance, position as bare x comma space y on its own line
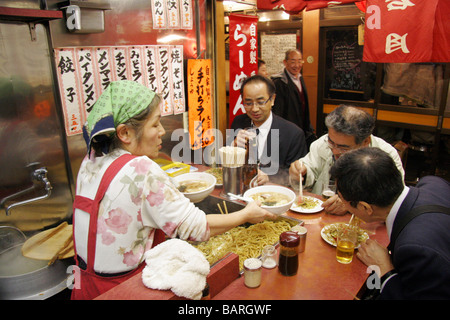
37, 175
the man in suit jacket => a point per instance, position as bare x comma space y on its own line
418, 265
280, 142
291, 102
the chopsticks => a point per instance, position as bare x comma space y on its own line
300, 185
224, 206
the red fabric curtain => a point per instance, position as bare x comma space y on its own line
400, 31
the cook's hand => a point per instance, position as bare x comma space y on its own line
334, 206
373, 253
254, 213
295, 169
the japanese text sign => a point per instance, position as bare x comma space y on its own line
172, 14
243, 58
84, 73
199, 102
407, 31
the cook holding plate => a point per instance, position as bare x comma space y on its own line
125, 203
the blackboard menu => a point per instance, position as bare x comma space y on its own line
346, 75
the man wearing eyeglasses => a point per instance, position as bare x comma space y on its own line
349, 128
279, 141
291, 102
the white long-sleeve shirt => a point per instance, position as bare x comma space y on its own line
319, 160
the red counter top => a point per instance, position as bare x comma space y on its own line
320, 276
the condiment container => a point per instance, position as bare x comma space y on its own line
302, 231
268, 257
252, 272
288, 258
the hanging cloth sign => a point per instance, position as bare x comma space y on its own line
243, 58
407, 31
199, 103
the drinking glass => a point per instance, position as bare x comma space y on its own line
345, 245
329, 190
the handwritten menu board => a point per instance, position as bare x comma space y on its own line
273, 47
83, 74
346, 75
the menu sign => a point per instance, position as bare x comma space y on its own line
199, 99
243, 58
172, 14
84, 73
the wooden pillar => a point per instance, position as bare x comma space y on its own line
310, 50
220, 65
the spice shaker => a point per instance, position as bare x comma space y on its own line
302, 231
288, 258
252, 272
268, 257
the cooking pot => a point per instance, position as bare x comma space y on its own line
25, 278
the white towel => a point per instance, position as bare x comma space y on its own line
178, 266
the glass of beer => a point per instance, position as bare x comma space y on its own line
329, 190
345, 245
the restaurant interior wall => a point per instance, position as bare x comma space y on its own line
419, 127
31, 128
396, 117
130, 23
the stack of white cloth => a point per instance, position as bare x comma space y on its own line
178, 266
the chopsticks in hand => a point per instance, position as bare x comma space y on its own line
300, 185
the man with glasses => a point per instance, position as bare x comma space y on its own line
349, 128
279, 141
291, 102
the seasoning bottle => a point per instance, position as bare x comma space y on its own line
250, 170
302, 231
252, 272
288, 258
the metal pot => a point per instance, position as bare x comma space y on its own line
24, 278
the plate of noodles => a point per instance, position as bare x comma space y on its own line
216, 172
309, 205
330, 231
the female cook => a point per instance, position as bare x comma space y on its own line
124, 201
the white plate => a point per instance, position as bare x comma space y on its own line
317, 208
324, 233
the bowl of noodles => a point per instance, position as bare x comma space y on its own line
196, 186
275, 199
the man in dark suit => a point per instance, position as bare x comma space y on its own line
280, 142
291, 102
418, 264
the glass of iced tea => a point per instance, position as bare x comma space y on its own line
345, 245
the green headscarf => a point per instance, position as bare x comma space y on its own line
121, 101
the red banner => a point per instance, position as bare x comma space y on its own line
243, 58
407, 31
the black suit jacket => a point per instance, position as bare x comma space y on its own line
285, 139
421, 254
288, 103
